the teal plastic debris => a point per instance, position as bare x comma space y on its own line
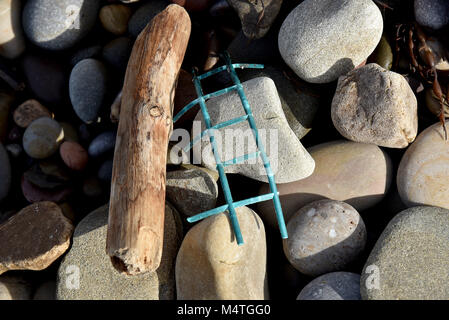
201, 101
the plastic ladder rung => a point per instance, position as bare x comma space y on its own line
223, 208
241, 158
217, 126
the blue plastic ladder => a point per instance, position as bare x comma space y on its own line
201, 100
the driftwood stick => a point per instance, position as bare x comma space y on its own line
137, 204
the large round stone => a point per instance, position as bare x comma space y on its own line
411, 258
324, 236
356, 173
423, 174
374, 105
58, 25
211, 265
324, 39
86, 272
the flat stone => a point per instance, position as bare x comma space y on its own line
356, 173
34, 237
88, 88
289, 160
191, 191
324, 39
410, 259
332, 286
5, 173
59, 25
12, 41
299, 106
324, 236
42, 138
29, 111
211, 266
33, 193
99, 280
256, 16
423, 172
433, 14
374, 105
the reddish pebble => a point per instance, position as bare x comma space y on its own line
73, 155
193, 5
35, 194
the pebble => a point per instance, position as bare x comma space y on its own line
33, 193
29, 111
88, 88
356, 173
144, 14
115, 17
256, 16
332, 286
12, 41
289, 160
74, 155
299, 106
45, 77
193, 5
99, 280
6, 101
192, 191
34, 237
324, 39
58, 26
409, 261
14, 288
105, 171
46, 291
433, 14
374, 105
211, 266
423, 172
44, 180
42, 138
5, 173
383, 55
102, 144
324, 236
117, 53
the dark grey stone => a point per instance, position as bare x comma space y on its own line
88, 88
